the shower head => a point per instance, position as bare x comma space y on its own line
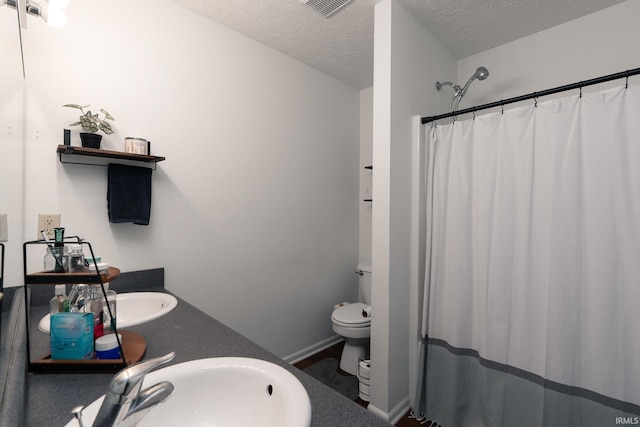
481, 74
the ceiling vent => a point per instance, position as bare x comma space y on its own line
326, 7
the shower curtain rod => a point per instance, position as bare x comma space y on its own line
577, 85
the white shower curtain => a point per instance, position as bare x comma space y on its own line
531, 306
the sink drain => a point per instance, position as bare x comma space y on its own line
270, 389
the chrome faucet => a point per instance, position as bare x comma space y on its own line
124, 404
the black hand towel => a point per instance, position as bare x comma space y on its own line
129, 194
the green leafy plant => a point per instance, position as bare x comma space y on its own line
92, 123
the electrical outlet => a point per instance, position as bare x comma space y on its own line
4, 229
46, 223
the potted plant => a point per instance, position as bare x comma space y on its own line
91, 124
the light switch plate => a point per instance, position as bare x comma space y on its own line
4, 229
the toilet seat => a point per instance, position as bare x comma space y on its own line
350, 316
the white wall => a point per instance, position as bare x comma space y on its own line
366, 175
255, 211
408, 62
598, 44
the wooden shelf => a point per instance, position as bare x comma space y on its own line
70, 150
87, 276
134, 348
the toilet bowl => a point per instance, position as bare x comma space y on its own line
349, 322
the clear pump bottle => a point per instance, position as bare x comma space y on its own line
110, 319
94, 303
59, 303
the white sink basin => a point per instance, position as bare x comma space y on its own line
224, 391
134, 308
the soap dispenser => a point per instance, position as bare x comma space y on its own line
59, 303
94, 304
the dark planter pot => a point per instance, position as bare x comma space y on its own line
90, 140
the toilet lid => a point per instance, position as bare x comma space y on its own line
351, 314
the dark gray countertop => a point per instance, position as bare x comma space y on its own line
192, 334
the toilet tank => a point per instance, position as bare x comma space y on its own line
364, 282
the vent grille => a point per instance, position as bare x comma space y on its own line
326, 7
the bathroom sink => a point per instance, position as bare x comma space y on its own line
133, 308
224, 391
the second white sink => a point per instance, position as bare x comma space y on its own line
134, 308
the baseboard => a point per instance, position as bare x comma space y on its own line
399, 410
377, 412
395, 414
313, 349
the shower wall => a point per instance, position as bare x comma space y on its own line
602, 43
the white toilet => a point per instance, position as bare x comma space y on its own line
349, 322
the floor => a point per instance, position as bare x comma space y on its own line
335, 352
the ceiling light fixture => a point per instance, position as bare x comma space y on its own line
51, 11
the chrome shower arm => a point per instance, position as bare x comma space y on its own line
455, 87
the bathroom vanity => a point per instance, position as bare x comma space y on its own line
192, 334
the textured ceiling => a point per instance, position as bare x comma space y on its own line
342, 45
